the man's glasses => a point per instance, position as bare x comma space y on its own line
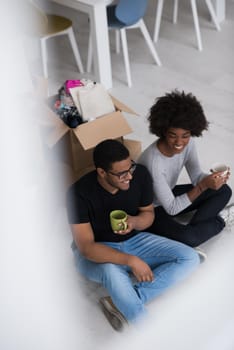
123, 174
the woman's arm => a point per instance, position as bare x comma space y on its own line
200, 180
192, 164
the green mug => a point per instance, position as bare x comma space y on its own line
118, 220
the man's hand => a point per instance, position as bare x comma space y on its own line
139, 222
130, 226
140, 269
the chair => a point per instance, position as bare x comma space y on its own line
55, 26
195, 19
127, 14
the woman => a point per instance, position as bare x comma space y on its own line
176, 118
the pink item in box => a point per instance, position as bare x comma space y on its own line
71, 84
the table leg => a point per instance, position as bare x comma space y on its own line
220, 9
101, 48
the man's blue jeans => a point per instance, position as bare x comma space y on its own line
169, 260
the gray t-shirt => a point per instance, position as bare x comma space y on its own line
165, 172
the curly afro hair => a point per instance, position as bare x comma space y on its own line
177, 110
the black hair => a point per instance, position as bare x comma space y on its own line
108, 152
177, 110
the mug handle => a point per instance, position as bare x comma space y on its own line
124, 225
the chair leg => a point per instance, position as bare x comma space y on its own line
175, 11
149, 42
90, 54
117, 41
126, 57
158, 18
196, 24
44, 57
212, 14
75, 49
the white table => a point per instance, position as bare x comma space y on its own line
96, 9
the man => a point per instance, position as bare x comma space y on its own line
111, 258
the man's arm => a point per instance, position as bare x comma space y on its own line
141, 221
100, 253
94, 251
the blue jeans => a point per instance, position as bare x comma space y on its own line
169, 260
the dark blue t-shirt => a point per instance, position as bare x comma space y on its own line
88, 201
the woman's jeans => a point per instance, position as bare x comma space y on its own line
204, 224
170, 262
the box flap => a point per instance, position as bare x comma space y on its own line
122, 107
111, 126
57, 133
47, 117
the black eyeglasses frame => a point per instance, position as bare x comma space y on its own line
123, 174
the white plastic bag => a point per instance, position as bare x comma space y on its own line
92, 100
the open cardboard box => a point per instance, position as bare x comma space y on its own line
75, 146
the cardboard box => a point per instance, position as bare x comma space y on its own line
75, 146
